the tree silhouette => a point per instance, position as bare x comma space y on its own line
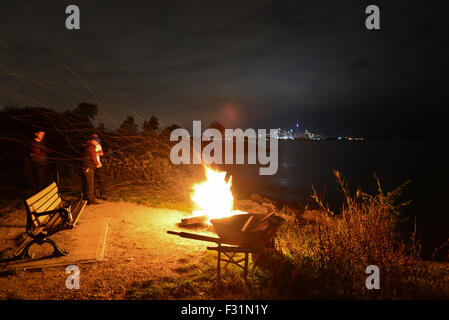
151, 125
87, 110
128, 126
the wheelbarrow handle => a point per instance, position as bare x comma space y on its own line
196, 236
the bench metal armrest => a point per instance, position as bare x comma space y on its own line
52, 212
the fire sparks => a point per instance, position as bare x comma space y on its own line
213, 196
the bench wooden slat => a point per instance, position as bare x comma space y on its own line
56, 202
42, 220
31, 200
35, 221
42, 204
76, 211
54, 221
51, 203
38, 230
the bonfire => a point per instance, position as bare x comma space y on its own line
213, 198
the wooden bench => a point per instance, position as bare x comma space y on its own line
47, 214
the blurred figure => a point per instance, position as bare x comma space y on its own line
99, 172
39, 161
90, 164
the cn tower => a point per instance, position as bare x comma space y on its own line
297, 127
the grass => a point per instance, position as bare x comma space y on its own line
163, 288
199, 281
194, 282
186, 269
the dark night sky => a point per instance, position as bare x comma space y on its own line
254, 64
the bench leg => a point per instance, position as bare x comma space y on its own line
57, 251
24, 253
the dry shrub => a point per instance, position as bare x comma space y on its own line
341, 245
365, 232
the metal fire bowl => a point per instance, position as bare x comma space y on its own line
259, 234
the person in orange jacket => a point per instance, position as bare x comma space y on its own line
90, 164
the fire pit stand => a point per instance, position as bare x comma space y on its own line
229, 251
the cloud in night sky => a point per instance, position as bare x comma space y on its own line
244, 63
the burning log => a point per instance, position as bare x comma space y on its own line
194, 220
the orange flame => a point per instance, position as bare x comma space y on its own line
213, 196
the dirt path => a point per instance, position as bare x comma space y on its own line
137, 249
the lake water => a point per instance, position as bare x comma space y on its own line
306, 163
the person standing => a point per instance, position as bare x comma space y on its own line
99, 174
39, 161
90, 163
